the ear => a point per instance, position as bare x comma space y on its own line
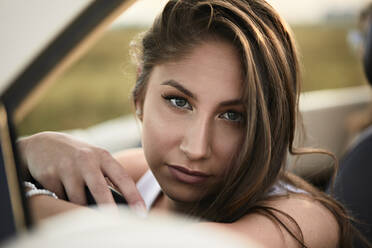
139, 70
139, 108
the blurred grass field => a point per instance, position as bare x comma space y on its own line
97, 87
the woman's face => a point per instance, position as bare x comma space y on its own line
193, 121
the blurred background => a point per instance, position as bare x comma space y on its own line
97, 87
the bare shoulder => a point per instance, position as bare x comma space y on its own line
318, 225
134, 162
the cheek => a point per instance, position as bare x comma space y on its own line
160, 132
228, 142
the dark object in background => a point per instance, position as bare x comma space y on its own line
367, 58
8, 226
353, 184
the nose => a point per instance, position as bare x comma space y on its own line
196, 144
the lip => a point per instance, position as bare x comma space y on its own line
186, 175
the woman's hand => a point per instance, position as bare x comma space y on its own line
59, 162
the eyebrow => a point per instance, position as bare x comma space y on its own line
179, 87
231, 103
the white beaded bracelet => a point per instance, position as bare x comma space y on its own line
29, 185
35, 191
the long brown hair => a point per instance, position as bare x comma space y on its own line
271, 87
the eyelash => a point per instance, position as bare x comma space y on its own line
170, 99
240, 117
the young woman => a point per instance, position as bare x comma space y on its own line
217, 95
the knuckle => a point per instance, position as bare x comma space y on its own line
124, 178
65, 163
67, 169
106, 158
87, 159
84, 154
47, 175
104, 153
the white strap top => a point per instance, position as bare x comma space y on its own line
150, 189
282, 188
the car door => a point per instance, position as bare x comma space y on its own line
39, 40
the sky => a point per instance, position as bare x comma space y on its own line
295, 11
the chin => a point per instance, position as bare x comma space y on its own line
187, 194
184, 195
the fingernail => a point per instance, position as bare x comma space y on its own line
140, 210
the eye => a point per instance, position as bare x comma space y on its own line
178, 102
232, 116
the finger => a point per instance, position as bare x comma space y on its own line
58, 190
123, 181
54, 185
98, 187
75, 190
109, 183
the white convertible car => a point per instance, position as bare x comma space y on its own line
36, 51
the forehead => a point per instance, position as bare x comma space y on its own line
211, 68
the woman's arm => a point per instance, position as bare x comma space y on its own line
43, 206
318, 225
